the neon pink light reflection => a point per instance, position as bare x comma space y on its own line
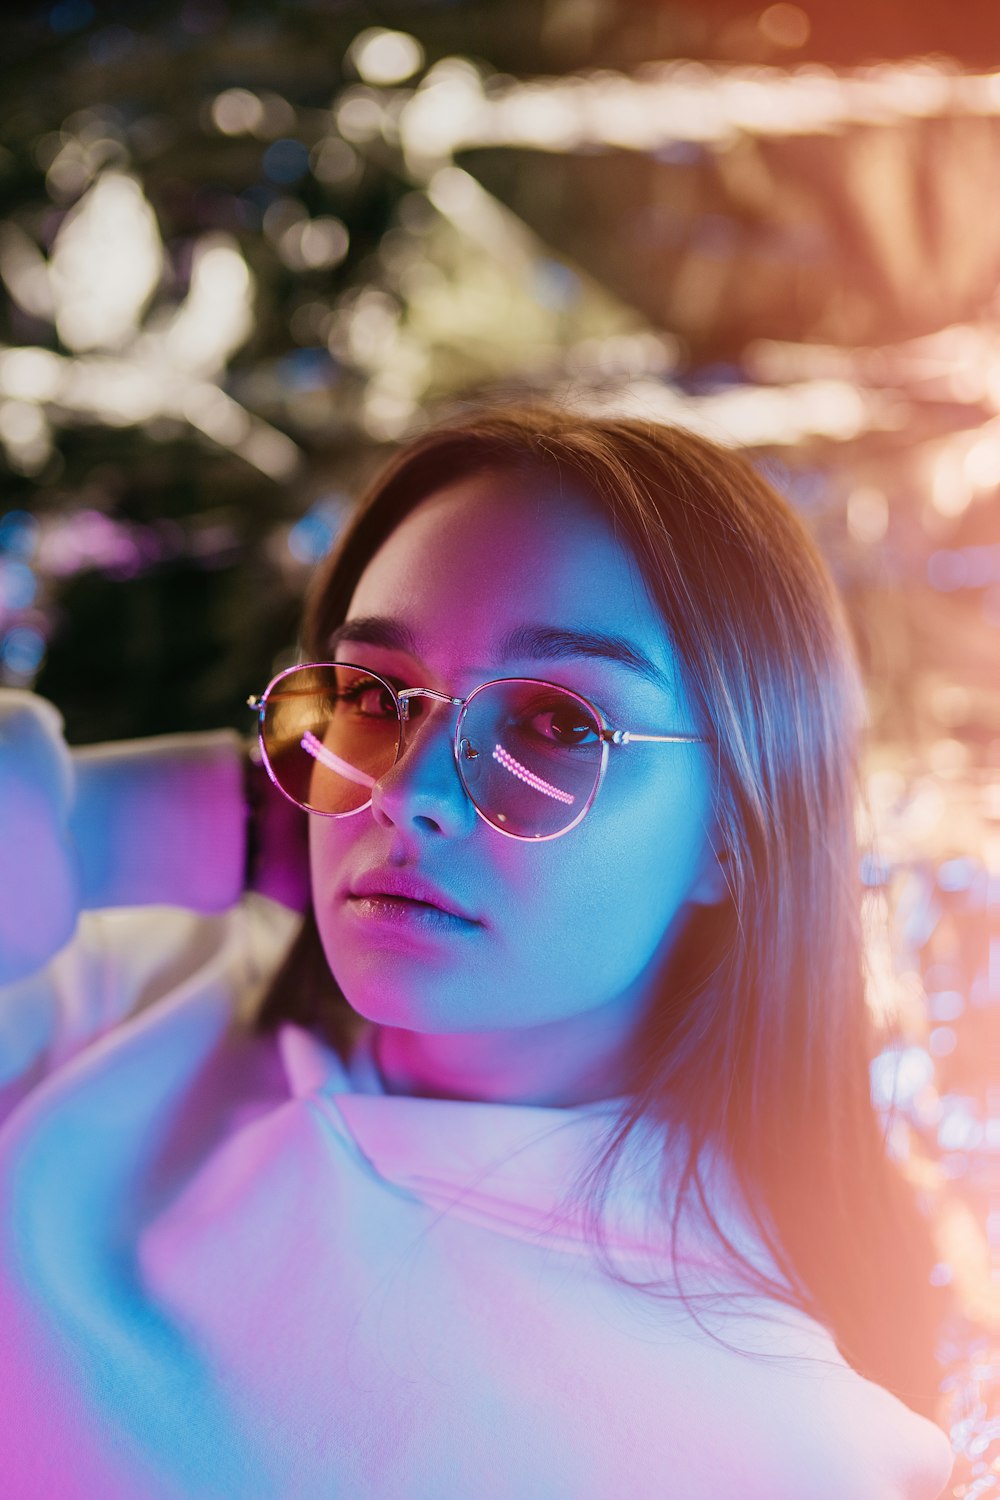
537, 783
318, 751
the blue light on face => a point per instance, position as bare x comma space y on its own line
569, 928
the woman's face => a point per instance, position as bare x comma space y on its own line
564, 935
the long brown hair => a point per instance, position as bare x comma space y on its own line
761, 1039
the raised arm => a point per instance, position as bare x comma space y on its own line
161, 821
180, 820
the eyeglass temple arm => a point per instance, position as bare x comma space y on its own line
626, 737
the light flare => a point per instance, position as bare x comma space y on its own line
319, 751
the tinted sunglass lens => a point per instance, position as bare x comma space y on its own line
530, 757
329, 733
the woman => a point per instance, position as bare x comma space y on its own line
546, 1165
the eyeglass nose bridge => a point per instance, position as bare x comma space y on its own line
405, 694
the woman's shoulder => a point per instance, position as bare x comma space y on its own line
823, 1428
864, 1443
800, 1418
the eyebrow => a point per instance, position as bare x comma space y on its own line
548, 643
535, 642
375, 630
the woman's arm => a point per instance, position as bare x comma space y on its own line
180, 820
161, 822
184, 820
165, 822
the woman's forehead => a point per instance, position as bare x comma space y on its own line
491, 552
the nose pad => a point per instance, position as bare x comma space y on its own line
470, 761
414, 720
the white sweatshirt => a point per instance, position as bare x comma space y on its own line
230, 1267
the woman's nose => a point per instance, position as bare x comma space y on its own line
423, 790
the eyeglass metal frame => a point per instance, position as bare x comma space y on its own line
401, 697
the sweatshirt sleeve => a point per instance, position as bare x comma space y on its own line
119, 962
161, 821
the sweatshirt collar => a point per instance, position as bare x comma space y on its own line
512, 1168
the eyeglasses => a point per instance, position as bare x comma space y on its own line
531, 755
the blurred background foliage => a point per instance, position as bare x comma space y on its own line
245, 248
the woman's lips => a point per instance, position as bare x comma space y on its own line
403, 912
405, 891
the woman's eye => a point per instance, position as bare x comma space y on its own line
369, 700
562, 725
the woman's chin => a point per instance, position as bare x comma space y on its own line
392, 996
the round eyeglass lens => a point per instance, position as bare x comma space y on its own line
530, 756
329, 733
